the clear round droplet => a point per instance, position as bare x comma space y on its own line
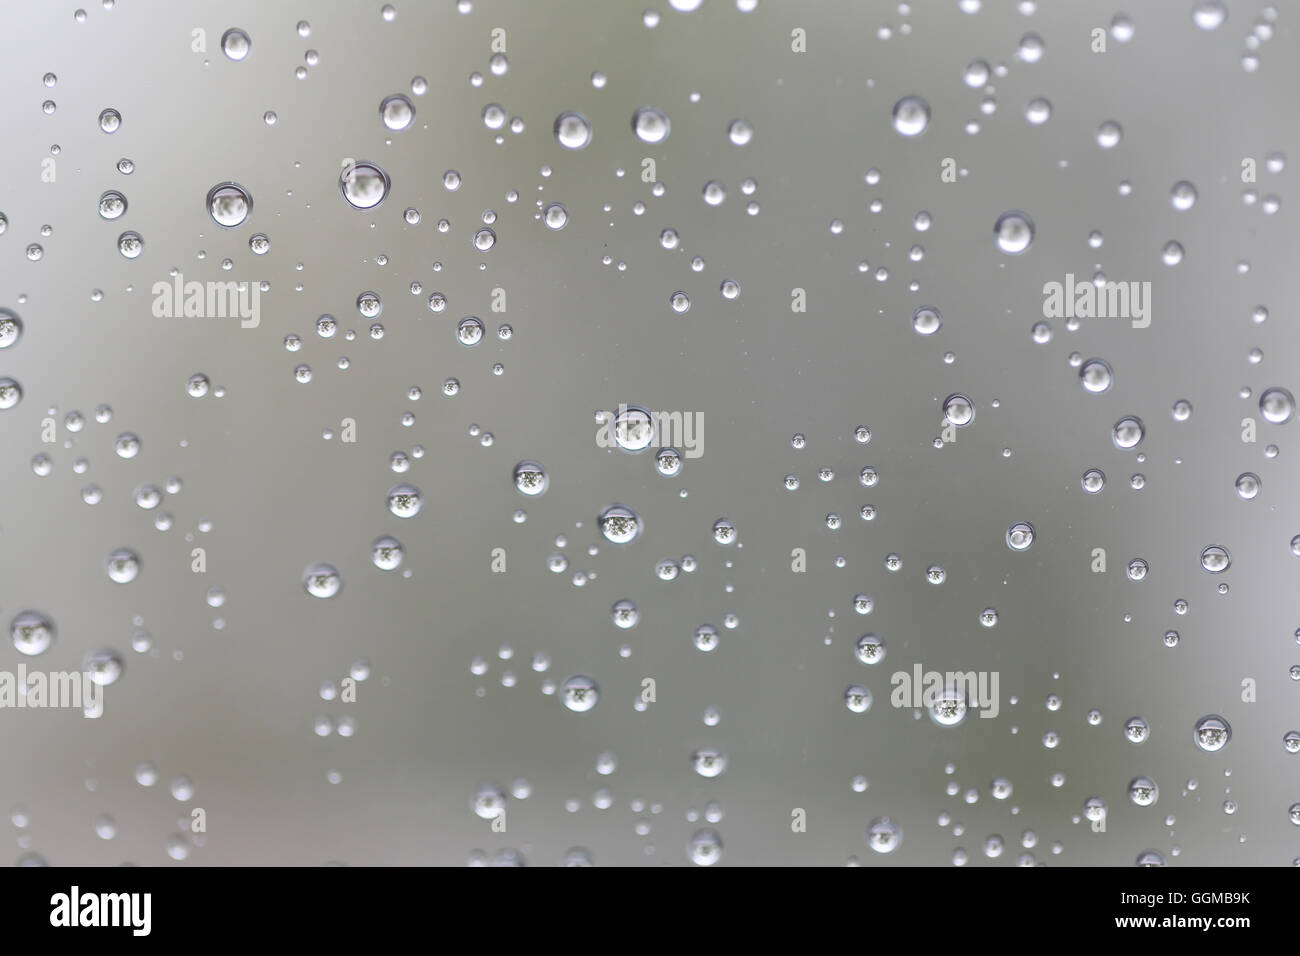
1014, 232
31, 632
573, 130
235, 44
322, 580
619, 524
123, 566
1216, 559
229, 204
1212, 733
1020, 536
1128, 432
405, 501
1277, 405
579, 693
364, 185
884, 835
911, 116
1095, 376
531, 478
651, 125
397, 112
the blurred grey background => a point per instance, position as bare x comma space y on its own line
233, 707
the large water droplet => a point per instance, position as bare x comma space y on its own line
322, 580
1216, 559
573, 131
31, 632
235, 44
1128, 432
387, 553
123, 566
884, 835
531, 478
911, 116
229, 204
1276, 405
405, 501
579, 693
619, 524
1212, 733
11, 328
1014, 231
397, 112
364, 185
651, 125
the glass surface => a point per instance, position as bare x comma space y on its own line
1006, 239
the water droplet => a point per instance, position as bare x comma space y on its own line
884, 835
1216, 559
229, 204
1095, 376
1183, 195
1143, 791
322, 580
1212, 733
235, 44
1093, 481
11, 393
11, 328
555, 216
531, 478
123, 566
958, 410
926, 320
397, 112
130, 245
740, 132
705, 848
1209, 14
31, 632
1020, 536
1128, 432
112, 205
405, 501
857, 699
1276, 405
387, 553
949, 707
1030, 49
488, 802
1014, 232
1109, 134
709, 762
870, 649
579, 693
104, 666
573, 131
619, 524
651, 125
911, 116
724, 531
364, 185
